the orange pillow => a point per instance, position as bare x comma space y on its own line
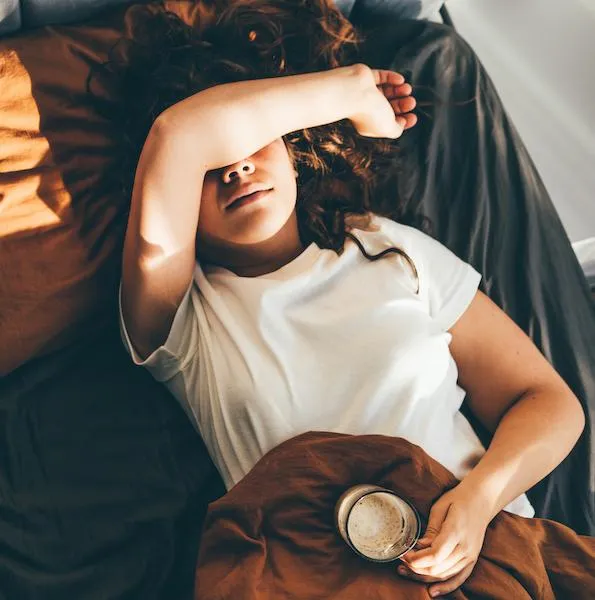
61, 222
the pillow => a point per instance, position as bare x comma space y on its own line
61, 221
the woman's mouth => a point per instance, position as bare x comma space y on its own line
248, 199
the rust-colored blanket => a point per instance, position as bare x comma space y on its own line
272, 535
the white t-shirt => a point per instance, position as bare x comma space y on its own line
325, 343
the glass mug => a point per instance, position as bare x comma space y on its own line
376, 523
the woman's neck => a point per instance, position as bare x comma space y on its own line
259, 259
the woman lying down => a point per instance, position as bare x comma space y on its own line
263, 289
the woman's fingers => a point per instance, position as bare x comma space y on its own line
409, 574
396, 91
402, 109
403, 105
406, 121
410, 120
454, 570
443, 547
450, 585
443, 568
449, 581
383, 76
392, 89
446, 542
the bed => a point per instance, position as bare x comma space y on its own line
104, 483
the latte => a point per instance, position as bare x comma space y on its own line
377, 523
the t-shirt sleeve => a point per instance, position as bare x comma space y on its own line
447, 283
180, 347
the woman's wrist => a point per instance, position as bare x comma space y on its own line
362, 86
483, 493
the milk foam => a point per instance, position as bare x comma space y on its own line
381, 525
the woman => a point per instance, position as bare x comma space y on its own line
261, 287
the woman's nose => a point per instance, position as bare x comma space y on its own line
241, 168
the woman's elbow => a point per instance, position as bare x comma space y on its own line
582, 419
561, 408
575, 414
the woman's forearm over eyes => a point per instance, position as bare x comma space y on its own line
222, 125
229, 122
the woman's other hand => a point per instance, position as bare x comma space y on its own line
385, 104
450, 547
398, 93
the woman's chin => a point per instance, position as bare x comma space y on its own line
259, 226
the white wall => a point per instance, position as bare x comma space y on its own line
541, 56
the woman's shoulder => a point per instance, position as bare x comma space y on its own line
398, 234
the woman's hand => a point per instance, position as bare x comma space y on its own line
398, 93
451, 544
386, 104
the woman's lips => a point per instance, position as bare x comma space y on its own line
248, 199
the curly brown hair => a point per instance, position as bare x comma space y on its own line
162, 60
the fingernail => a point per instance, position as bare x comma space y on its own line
435, 593
402, 570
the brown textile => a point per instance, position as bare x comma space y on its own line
61, 225
272, 535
